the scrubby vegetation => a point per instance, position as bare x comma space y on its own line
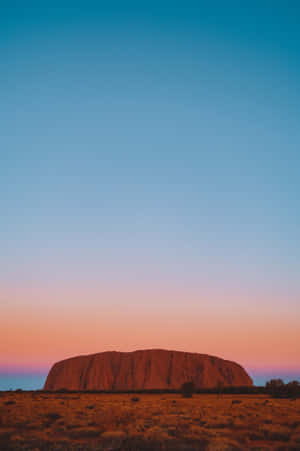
188, 389
278, 389
219, 389
156, 422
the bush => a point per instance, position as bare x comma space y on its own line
278, 389
187, 389
63, 390
53, 416
293, 389
83, 433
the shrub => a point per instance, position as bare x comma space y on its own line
187, 389
274, 386
63, 390
220, 387
293, 389
53, 416
278, 389
279, 434
83, 433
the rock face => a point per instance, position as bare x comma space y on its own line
144, 370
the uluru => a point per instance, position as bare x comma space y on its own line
144, 370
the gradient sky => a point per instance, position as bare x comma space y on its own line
149, 182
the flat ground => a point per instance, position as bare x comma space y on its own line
43, 421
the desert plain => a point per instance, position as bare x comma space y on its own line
96, 421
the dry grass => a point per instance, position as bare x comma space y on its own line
43, 421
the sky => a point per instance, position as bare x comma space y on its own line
149, 182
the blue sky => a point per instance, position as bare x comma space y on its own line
152, 143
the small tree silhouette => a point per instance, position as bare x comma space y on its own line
220, 387
188, 389
275, 387
293, 389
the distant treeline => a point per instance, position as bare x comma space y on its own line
278, 389
275, 388
216, 390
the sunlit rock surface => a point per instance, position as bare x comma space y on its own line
144, 370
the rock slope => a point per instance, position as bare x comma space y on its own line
144, 370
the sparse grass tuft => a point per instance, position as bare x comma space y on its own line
90, 421
53, 416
